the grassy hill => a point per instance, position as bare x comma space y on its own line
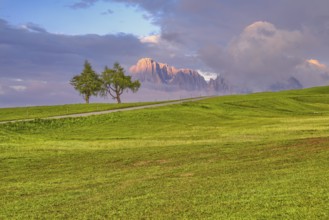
258, 156
33, 112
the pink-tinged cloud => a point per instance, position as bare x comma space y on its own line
317, 64
312, 72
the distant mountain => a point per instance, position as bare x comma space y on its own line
149, 71
219, 84
291, 83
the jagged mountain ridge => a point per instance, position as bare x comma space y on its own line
149, 71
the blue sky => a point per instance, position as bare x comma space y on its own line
57, 16
255, 45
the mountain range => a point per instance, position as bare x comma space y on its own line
162, 75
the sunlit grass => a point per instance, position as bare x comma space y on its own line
259, 156
33, 112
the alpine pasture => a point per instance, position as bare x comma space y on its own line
257, 156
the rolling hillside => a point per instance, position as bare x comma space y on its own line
34, 112
258, 156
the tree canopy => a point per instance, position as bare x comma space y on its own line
87, 83
115, 82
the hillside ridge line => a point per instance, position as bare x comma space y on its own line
86, 114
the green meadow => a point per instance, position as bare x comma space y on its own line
34, 112
257, 156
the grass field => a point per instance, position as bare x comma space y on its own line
259, 156
34, 112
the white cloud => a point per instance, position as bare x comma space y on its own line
18, 88
153, 39
262, 44
208, 75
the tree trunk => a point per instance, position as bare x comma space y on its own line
118, 99
118, 96
87, 99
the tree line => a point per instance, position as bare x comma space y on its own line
111, 82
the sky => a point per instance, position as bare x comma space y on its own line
256, 45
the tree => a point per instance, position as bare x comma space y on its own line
115, 82
87, 83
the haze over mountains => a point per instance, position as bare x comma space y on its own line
162, 76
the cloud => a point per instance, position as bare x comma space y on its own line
33, 28
152, 39
41, 54
263, 56
316, 64
260, 56
107, 12
208, 75
311, 73
83, 4
254, 43
18, 88
154, 9
194, 22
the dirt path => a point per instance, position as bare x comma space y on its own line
111, 111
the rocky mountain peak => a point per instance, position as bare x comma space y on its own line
145, 61
149, 71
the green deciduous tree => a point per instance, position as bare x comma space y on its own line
115, 82
87, 83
